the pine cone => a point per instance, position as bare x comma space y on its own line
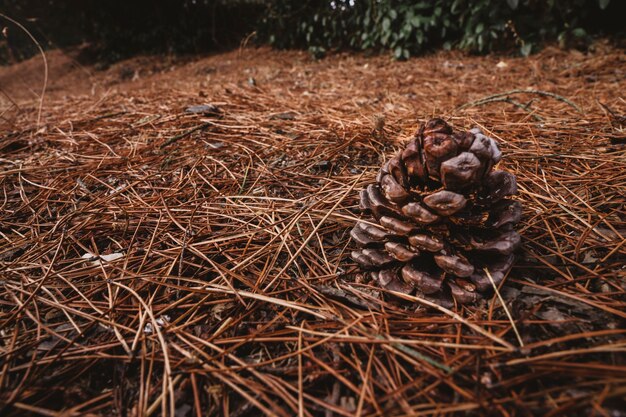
440, 216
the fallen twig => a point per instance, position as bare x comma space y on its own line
491, 98
188, 132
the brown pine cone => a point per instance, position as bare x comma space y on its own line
440, 215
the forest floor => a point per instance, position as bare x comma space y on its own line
157, 261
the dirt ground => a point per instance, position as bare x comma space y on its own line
157, 261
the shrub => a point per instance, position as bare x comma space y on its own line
410, 27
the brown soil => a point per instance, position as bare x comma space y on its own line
227, 288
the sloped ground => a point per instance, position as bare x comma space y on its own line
160, 262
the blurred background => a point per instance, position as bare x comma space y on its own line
114, 29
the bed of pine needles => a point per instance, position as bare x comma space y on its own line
156, 261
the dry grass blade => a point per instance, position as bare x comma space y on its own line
45, 64
506, 310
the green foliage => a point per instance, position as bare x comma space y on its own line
409, 27
117, 28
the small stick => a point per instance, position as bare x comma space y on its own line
517, 91
185, 133
510, 101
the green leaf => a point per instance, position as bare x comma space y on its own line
526, 49
384, 40
397, 53
420, 38
603, 4
386, 24
579, 32
422, 5
513, 3
456, 6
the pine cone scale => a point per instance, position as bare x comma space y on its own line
445, 203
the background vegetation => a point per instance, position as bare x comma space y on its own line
116, 28
410, 27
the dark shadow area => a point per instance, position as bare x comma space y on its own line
116, 29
